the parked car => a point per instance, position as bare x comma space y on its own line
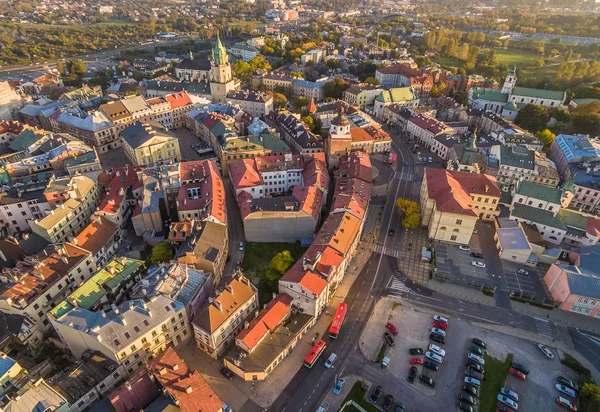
566, 390
565, 403
476, 366
388, 339
387, 404
416, 351
517, 373
241, 246
227, 373
412, 374
420, 159
392, 329
436, 337
471, 390
465, 248
430, 160
440, 319
568, 383
477, 255
434, 357
405, 164
439, 331
439, 325
436, 349
399, 408
376, 394
462, 397
511, 394
476, 358
392, 232
504, 408
338, 387
522, 272
507, 401
465, 407
478, 264
479, 343
546, 351
477, 350
472, 381
416, 361
430, 365
474, 374
427, 380
521, 368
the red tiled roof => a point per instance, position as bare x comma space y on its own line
267, 320
244, 199
204, 175
315, 174
593, 226
352, 195
309, 280
355, 165
136, 393
399, 69
452, 191
177, 100
189, 389
179, 231
121, 179
360, 135
428, 123
10, 126
311, 107
310, 199
243, 174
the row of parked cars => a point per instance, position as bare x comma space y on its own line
474, 375
568, 393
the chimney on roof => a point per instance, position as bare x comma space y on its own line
162, 371
188, 390
487, 188
175, 367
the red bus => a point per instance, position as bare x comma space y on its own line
338, 320
314, 353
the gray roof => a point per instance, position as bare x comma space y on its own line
115, 333
517, 156
39, 397
139, 133
582, 281
195, 64
512, 238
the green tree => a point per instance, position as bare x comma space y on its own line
259, 62
77, 67
309, 121
242, 70
546, 136
372, 81
60, 67
280, 264
533, 117
279, 100
411, 211
333, 64
586, 118
438, 89
336, 88
162, 252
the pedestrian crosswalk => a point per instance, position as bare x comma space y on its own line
386, 251
404, 176
544, 328
398, 285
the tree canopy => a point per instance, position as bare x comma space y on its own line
411, 212
280, 264
162, 252
546, 136
532, 117
336, 88
586, 118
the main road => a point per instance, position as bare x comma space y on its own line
309, 386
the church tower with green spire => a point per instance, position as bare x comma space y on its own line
221, 80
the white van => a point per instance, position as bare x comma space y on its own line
434, 357
329, 362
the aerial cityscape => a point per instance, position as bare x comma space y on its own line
299, 206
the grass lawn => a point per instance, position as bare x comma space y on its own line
518, 57
358, 395
257, 257
496, 372
448, 61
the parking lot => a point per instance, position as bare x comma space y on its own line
453, 262
537, 392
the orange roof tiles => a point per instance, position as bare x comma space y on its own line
179, 231
309, 280
310, 199
10, 126
355, 165
137, 393
267, 320
122, 178
315, 174
189, 389
360, 135
177, 100
339, 231
96, 235
311, 107
452, 191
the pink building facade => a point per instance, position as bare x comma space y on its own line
574, 289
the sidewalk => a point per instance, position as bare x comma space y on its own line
461, 292
369, 347
410, 262
265, 392
335, 401
558, 316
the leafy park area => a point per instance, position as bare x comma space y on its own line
496, 372
266, 263
358, 394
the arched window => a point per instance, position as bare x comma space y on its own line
456, 230
443, 228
